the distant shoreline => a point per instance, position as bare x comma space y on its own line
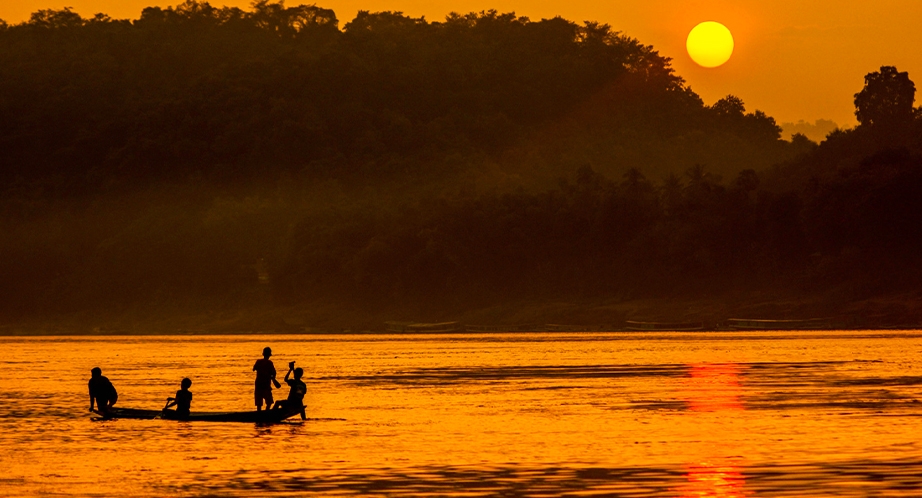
384, 333
901, 311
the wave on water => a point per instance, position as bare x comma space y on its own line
718, 478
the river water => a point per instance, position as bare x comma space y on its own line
723, 414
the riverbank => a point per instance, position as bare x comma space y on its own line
902, 310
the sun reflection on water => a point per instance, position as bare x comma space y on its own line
713, 387
714, 479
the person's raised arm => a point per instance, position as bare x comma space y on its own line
291, 368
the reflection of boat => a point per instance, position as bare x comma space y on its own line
663, 326
263, 417
753, 324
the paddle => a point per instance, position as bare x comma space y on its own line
160, 415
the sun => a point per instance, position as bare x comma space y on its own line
710, 44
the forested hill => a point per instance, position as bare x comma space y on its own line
269, 169
228, 93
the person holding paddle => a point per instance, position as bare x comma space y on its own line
183, 399
265, 377
295, 401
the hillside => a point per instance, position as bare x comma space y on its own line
218, 169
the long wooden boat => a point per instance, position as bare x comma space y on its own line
663, 326
261, 417
561, 327
504, 328
758, 324
419, 328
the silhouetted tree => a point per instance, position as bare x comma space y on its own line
801, 144
290, 21
886, 99
56, 19
730, 105
747, 181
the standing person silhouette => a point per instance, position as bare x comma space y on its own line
183, 399
265, 377
102, 392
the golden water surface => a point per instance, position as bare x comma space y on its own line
583, 414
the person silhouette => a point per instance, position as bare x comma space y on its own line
102, 392
265, 377
183, 399
296, 394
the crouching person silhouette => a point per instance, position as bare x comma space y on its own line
295, 401
102, 392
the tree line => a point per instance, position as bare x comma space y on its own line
206, 157
229, 94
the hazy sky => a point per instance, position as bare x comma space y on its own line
794, 59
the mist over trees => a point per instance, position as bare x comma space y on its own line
204, 158
815, 131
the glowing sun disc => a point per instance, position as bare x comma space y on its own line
710, 44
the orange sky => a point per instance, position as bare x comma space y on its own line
794, 59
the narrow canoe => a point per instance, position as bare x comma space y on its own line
663, 326
261, 417
758, 324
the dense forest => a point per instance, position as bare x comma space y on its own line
221, 162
